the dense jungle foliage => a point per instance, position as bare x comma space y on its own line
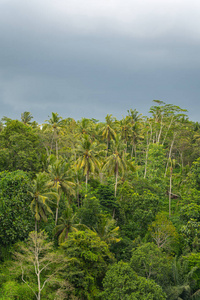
100, 210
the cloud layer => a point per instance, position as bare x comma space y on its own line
89, 58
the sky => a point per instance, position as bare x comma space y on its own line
90, 58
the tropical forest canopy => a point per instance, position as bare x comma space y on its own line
100, 210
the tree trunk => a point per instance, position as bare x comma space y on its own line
39, 289
146, 159
101, 177
160, 132
167, 130
170, 191
86, 179
37, 269
57, 207
77, 195
135, 150
108, 144
170, 153
132, 151
67, 232
56, 149
116, 177
113, 213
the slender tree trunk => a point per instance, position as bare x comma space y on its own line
47, 151
170, 190
168, 130
78, 191
57, 207
132, 151
101, 177
146, 159
107, 149
126, 146
181, 156
67, 232
108, 144
151, 135
52, 141
56, 219
56, 149
37, 269
39, 288
160, 132
113, 213
170, 153
86, 179
133, 148
116, 177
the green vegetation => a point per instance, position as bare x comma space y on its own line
100, 210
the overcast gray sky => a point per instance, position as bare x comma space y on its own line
89, 58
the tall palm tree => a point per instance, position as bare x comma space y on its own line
56, 123
26, 117
108, 131
88, 156
116, 162
125, 129
135, 129
41, 198
84, 126
61, 179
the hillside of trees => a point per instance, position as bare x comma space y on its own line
100, 210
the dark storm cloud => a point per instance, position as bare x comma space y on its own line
49, 64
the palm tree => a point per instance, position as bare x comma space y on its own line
88, 153
183, 281
65, 224
135, 130
125, 129
108, 131
61, 179
26, 117
56, 123
41, 198
116, 162
84, 126
107, 231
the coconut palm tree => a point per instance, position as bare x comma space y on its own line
41, 198
116, 162
26, 117
108, 132
61, 179
125, 127
88, 153
84, 126
135, 129
65, 224
107, 230
183, 281
56, 123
